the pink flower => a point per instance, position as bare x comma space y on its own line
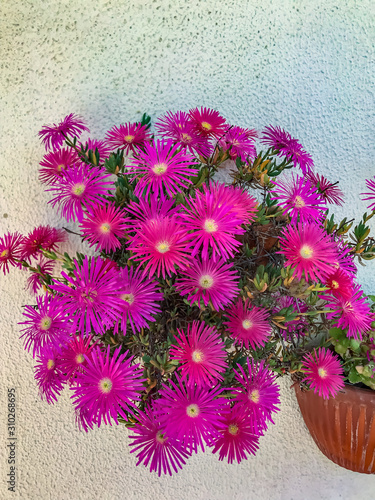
46, 326
353, 313
247, 324
240, 142
107, 387
162, 245
53, 136
190, 413
10, 250
309, 250
328, 191
103, 226
181, 129
41, 237
208, 122
91, 297
75, 355
211, 281
298, 199
339, 283
55, 163
212, 225
324, 372
155, 448
83, 186
370, 196
202, 354
103, 149
236, 436
34, 282
139, 299
162, 166
257, 394
150, 208
283, 143
128, 137
48, 375
298, 326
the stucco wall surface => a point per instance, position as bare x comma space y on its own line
307, 66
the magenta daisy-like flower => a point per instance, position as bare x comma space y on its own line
212, 225
328, 191
243, 205
309, 250
208, 121
91, 297
34, 282
107, 387
257, 394
370, 196
147, 210
353, 313
162, 166
181, 129
211, 281
162, 245
154, 447
139, 299
240, 142
324, 372
42, 237
55, 163
340, 283
53, 136
283, 143
10, 250
298, 326
345, 258
75, 355
103, 149
79, 187
247, 324
128, 137
202, 354
46, 325
48, 375
236, 437
103, 225
190, 413
298, 199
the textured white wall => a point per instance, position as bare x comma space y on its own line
307, 66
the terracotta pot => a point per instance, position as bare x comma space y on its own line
343, 427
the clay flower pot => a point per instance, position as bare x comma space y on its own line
343, 427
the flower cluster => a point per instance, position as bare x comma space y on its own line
198, 295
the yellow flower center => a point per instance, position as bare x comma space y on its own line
80, 358
160, 168
348, 308
206, 126
105, 228
206, 281
197, 356
334, 284
192, 410
78, 189
160, 437
210, 225
129, 138
105, 385
50, 364
322, 373
45, 323
60, 167
247, 324
163, 247
306, 252
254, 396
128, 297
4, 253
298, 202
233, 429
186, 138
